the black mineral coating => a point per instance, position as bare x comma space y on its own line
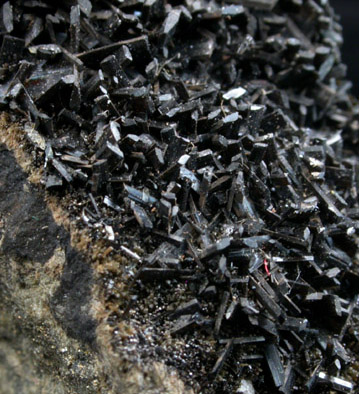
221, 136
222, 358
141, 197
187, 308
336, 383
142, 217
138, 46
260, 4
216, 248
221, 311
275, 364
188, 323
7, 16
11, 49
61, 168
210, 292
149, 274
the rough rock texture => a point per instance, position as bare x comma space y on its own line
48, 340
45, 291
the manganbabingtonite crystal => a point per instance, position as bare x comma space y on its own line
221, 135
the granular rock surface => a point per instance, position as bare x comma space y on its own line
205, 154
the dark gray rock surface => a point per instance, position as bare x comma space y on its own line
48, 337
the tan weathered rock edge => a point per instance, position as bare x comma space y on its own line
28, 321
